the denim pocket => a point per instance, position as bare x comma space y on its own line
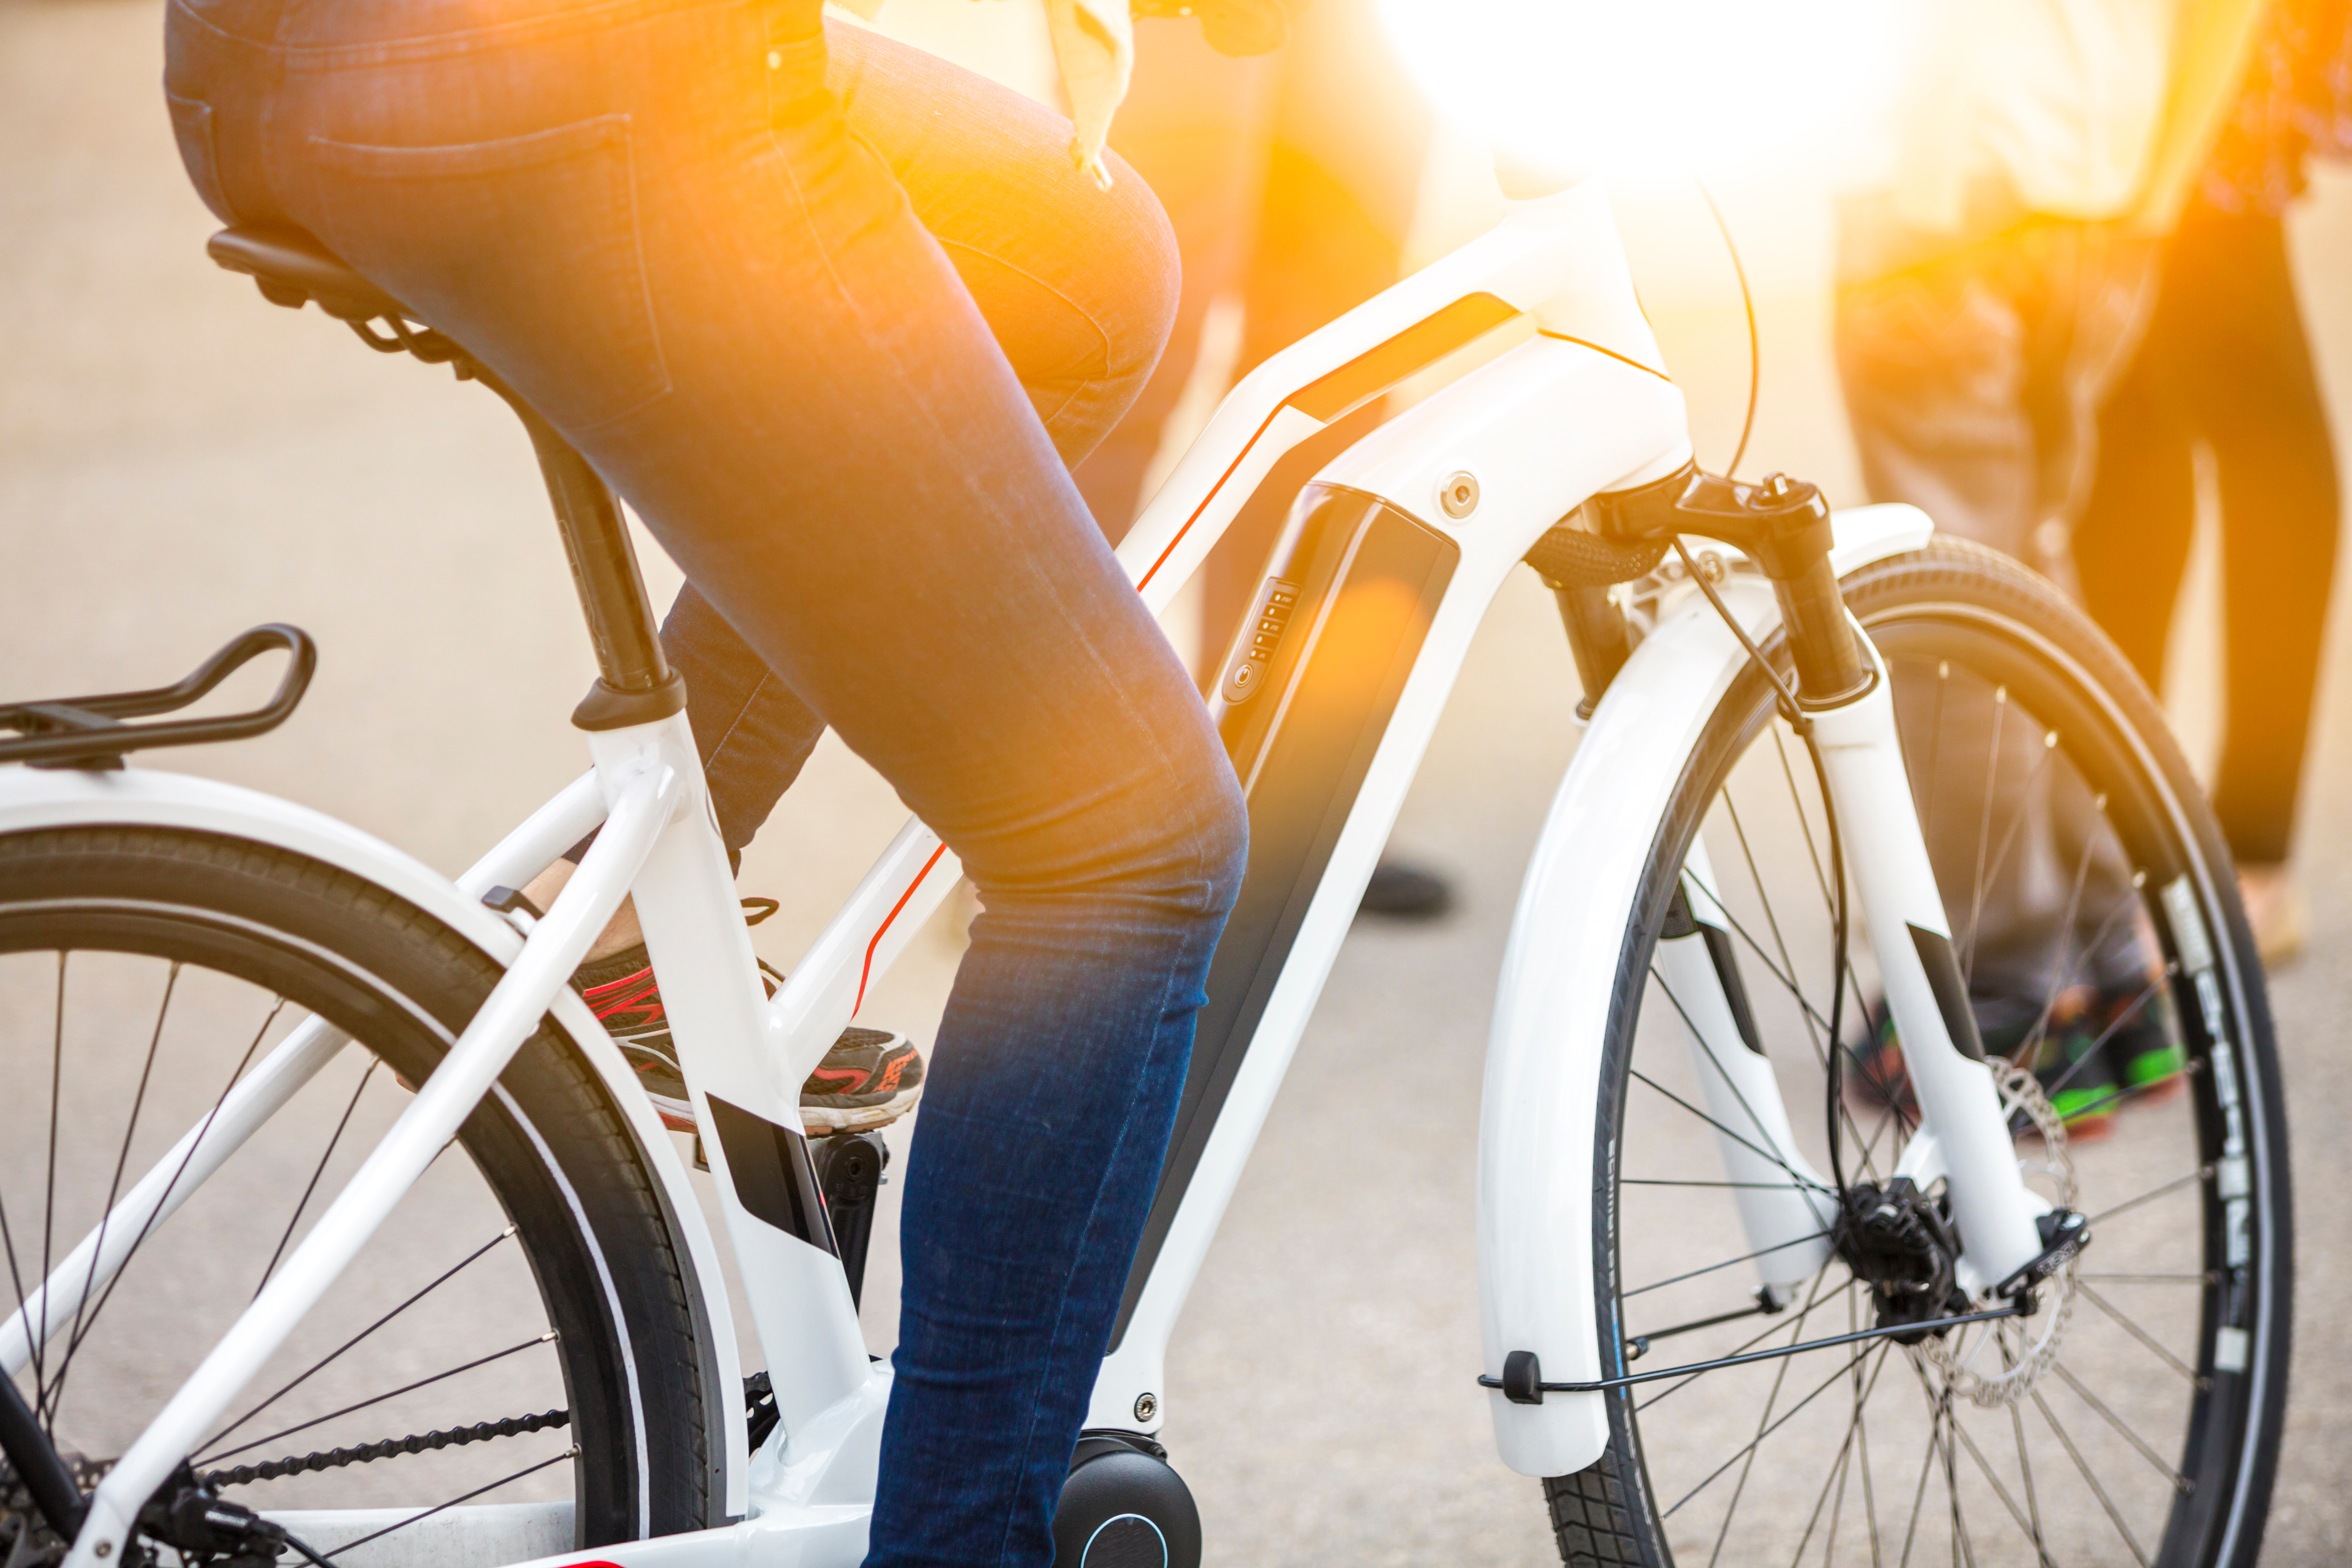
192, 126
525, 249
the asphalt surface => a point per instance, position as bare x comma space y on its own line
178, 461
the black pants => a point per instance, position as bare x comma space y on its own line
2224, 365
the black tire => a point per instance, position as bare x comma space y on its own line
2212, 1416
227, 923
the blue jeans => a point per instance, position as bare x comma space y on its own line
834, 318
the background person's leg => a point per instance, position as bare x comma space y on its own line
2245, 369
2132, 542
1964, 379
755, 338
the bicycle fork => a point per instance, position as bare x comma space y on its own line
1533, 1244
1844, 702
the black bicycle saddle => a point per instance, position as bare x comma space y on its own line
293, 268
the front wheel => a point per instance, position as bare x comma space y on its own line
2094, 912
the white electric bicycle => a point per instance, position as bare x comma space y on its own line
337, 1227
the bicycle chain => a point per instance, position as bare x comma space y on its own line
418, 1443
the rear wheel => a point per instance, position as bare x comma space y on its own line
511, 1367
2136, 1417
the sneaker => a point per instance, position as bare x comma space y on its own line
870, 1079
2084, 1054
1404, 890
2144, 1049
2074, 1067
1872, 1072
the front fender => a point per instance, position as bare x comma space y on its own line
31, 799
1536, 1201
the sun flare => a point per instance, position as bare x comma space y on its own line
1643, 87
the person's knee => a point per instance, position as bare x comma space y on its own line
1137, 247
1177, 839
1217, 819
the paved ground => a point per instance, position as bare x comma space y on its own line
177, 461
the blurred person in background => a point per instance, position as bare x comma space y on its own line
1291, 179
2224, 366
1992, 281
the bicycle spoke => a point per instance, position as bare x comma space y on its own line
1708, 1053
36, 1337
2115, 1515
2025, 1470
1926, 1470
218, 1455
1754, 1148
2136, 1332
1731, 808
2145, 1278
1841, 1466
1869, 1492
322, 1362
2039, 1029
1743, 1257
1984, 830
570, 1453
2033, 1531
1796, 993
2016, 819
318, 1173
1833, 1482
1816, 1026
146, 1229
50, 1201
2149, 1196
1963, 1548
113, 1187
1790, 1414
2091, 1053
2173, 1478
1780, 1377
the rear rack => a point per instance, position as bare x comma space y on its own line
89, 733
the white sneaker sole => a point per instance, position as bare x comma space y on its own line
824, 1120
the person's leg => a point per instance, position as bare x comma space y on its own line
654, 222
1931, 364
2131, 544
2245, 368
1049, 259
1195, 125
1953, 372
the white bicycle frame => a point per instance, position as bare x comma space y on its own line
1390, 562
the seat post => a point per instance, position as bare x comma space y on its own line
635, 682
